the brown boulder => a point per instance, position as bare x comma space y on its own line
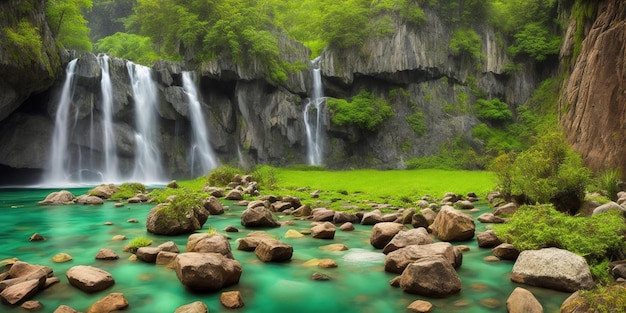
195, 307
89, 200
258, 216
383, 232
113, 302
453, 225
20, 292
58, 197
165, 257
346, 227
214, 206
324, 230
420, 306
488, 239
506, 251
415, 236
204, 242
103, 191
398, 260
273, 251
341, 217
206, 271
252, 240
231, 299
322, 215
235, 195
431, 277
523, 301
490, 218
89, 279
372, 218
147, 254
506, 209
167, 219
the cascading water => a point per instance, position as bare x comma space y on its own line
110, 171
201, 150
147, 159
314, 129
56, 173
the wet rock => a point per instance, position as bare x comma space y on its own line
420, 306
58, 197
65, 309
416, 236
36, 237
118, 238
89, 279
165, 257
20, 292
206, 271
61, 258
523, 301
432, 277
491, 259
147, 254
334, 247
453, 225
231, 299
506, 209
258, 216
324, 230
132, 221
322, 215
293, 234
490, 218
327, 263
488, 239
195, 307
252, 240
169, 246
231, 229
214, 243
214, 206
346, 227
89, 200
106, 254
32, 305
506, 251
273, 251
111, 303
372, 218
552, 268
383, 232
319, 276
235, 195
398, 260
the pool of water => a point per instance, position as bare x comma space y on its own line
359, 284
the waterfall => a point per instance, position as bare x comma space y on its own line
147, 160
201, 150
314, 130
110, 171
56, 174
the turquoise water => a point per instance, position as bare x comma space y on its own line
359, 284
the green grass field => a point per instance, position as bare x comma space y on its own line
396, 187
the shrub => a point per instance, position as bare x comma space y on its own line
607, 182
601, 299
540, 226
365, 111
128, 190
222, 175
493, 110
265, 176
137, 243
466, 42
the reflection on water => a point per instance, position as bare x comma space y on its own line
359, 284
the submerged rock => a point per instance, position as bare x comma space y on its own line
89, 279
58, 197
195, 307
231, 299
113, 302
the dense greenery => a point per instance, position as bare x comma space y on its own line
66, 19
129, 46
128, 190
364, 111
601, 299
493, 110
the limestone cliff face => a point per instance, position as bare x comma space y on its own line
19, 76
593, 102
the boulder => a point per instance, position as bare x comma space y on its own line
322, 215
273, 251
194, 307
58, 197
20, 292
619, 271
346, 227
431, 277
488, 239
214, 206
206, 271
258, 216
506, 251
89, 200
231, 229
169, 246
523, 301
293, 234
552, 268
89, 279
415, 236
214, 243
490, 218
235, 195
32, 305
172, 184
324, 230
65, 309
383, 232
506, 209
453, 225
252, 240
608, 207
167, 219
231, 299
36, 237
165, 257
345, 217
61, 258
420, 306
302, 211
372, 218
148, 254
103, 191
464, 204
113, 302
280, 206
214, 191
398, 260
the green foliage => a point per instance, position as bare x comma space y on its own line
493, 110
265, 176
128, 46
222, 175
536, 227
24, 43
364, 111
496, 140
345, 24
549, 167
608, 181
68, 25
416, 121
128, 190
410, 11
600, 299
140, 242
535, 41
465, 41
582, 11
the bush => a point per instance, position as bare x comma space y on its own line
466, 42
265, 176
222, 175
601, 299
607, 182
493, 110
137, 243
536, 227
365, 111
128, 190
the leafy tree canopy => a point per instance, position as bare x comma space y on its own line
66, 20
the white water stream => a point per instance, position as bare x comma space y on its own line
313, 127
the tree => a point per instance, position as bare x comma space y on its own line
68, 25
129, 46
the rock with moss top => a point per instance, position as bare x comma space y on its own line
174, 219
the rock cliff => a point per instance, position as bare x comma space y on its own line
593, 101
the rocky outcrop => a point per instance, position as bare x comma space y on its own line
592, 102
552, 268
